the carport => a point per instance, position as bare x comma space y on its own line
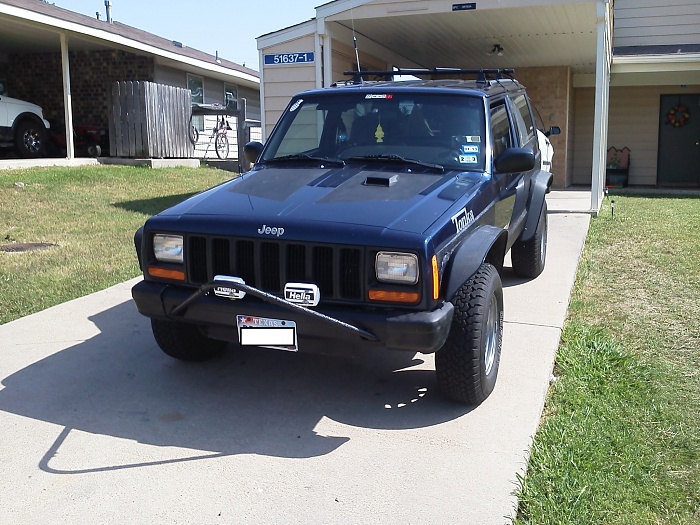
44, 35
554, 46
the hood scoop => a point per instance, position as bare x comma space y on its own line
384, 182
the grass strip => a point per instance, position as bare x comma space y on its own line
620, 439
89, 216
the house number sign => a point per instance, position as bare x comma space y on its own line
289, 58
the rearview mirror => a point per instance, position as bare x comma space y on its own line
252, 151
515, 160
554, 130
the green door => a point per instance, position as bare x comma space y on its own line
679, 141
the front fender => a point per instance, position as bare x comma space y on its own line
539, 187
22, 117
485, 244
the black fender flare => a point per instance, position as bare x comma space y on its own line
138, 243
485, 244
539, 187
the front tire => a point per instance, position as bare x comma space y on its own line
529, 257
467, 364
30, 139
184, 341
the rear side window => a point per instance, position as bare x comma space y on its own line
500, 129
523, 119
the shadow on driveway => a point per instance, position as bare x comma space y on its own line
249, 401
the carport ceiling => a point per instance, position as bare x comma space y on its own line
19, 37
553, 35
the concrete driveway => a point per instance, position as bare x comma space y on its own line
98, 426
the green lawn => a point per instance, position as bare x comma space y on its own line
620, 440
90, 215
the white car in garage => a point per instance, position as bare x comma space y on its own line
544, 143
22, 126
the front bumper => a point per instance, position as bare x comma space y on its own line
423, 332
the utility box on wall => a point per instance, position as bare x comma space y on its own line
149, 120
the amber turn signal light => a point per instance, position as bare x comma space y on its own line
394, 297
436, 278
163, 273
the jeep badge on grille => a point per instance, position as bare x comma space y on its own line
304, 294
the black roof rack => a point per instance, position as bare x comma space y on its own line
483, 75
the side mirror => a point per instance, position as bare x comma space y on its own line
515, 160
554, 130
252, 151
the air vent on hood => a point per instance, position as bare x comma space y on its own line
381, 181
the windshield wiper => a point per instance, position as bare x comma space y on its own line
399, 158
305, 157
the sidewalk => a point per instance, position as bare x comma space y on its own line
98, 425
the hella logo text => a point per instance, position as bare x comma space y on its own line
302, 293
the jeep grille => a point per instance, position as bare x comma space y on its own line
337, 270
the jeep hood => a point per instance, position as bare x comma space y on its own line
404, 199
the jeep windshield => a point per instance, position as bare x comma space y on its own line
425, 129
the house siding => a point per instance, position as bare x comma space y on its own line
283, 81
651, 22
633, 122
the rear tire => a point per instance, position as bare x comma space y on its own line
221, 145
529, 257
467, 364
94, 150
184, 341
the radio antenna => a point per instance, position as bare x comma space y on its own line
354, 41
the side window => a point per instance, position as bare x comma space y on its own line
523, 119
196, 86
230, 96
500, 129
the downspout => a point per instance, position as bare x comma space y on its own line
261, 66
322, 54
67, 99
602, 99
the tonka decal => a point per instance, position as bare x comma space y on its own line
462, 219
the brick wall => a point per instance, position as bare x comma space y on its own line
551, 92
38, 78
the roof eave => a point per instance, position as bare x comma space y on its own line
57, 25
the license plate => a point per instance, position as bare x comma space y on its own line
268, 333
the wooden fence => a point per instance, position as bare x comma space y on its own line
148, 120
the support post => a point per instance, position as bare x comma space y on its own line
67, 99
602, 97
242, 136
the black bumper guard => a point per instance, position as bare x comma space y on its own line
272, 299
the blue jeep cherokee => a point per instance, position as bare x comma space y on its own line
378, 214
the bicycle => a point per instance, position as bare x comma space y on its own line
218, 133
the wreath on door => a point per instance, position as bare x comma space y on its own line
678, 116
